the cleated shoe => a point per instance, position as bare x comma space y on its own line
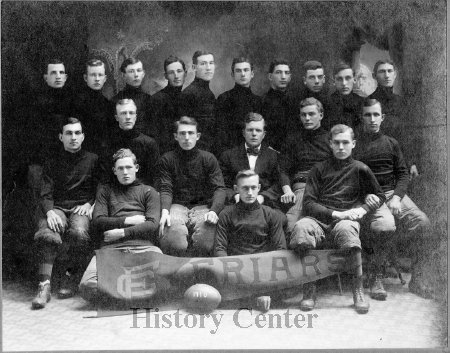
43, 295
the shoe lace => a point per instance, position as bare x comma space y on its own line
358, 293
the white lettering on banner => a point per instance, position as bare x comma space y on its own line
138, 281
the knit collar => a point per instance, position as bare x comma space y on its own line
277, 92
242, 89
72, 156
248, 206
339, 163
187, 154
171, 90
386, 92
132, 89
312, 134
128, 134
201, 83
371, 136
124, 187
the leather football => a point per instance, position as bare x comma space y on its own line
202, 298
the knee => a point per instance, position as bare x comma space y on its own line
383, 227
203, 239
174, 241
88, 289
47, 236
78, 236
303, 232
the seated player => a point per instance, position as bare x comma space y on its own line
306, 147
126, 215
192, 194
256, 156
333, 205
248, 227
383, 155
67, 198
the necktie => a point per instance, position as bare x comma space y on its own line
253, 151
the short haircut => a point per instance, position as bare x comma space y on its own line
173, 59
69, 120
340, 129
124, 153
53, 61
369, 102
186, 120
200, 53
244, 174
342, 66
311, 65
277, 62
239, 60
128, 61
94, 63
311, 101
125, 101
381, 62
252, 116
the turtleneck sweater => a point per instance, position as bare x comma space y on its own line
323, 97
338, 185
391, 103
248, 229
70, 180
191, 178
345, 109
384, 157
231, 108
143, 105
115, 202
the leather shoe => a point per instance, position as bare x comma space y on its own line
361, 306
309, 297
67, 287
377, 290
43, 295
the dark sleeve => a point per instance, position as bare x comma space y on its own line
221, 236
310, 199
152, 159
165, 183
277, 236
216, 183
186, 104
96, 177
227, 172
401, 172
47, 194
370, 185
284, 164
101, 221
148, 229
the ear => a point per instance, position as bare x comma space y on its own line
382, 117
60, 137
117, 117
321, 116
304, 80
194, 67
175, 135
236, 189
259, 187
269, 76
354, 143
252, 74
165, 76
137, 167
45, 77
85, 77
199, 134
143, 73
82, 137
374, 75
114, 170
324, 78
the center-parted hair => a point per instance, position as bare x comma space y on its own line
252, 116
311, 101
186, 120
173, 59
244, 174
311, 65
277, 62
200, 53
381, 62
342, 66
124, 153
94, 63
340, 129
125, 101
128, 61
241, 60
369, 102
67, 121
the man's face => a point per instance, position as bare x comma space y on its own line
280, 77
314, 80
187, 136
372, 118
125, 170
72, 137
56, 75
310, 117
204, 69
344, 81
242, 74
126, 115
342, 145
134, 74
385, 75
254, 133
248, 188
175, 74
95, 77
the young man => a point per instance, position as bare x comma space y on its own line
133, 74
233, 105
254, 155
306, 147
67, 199
384, 157
335, 200
197, 100
165, 103
192, 194
92, 107
248, 227
278, 104
126, 215
345, 105
314, 87
125, 135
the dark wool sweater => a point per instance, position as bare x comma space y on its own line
248, 229
345, 109
191, 178
143, 105
198, 101
322, 97
70, 180
164, 107
304, 149
231, 108
338, 185
278, 110
144, 147
384, 157
115, 202
95, 113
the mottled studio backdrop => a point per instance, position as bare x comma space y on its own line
413, 33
